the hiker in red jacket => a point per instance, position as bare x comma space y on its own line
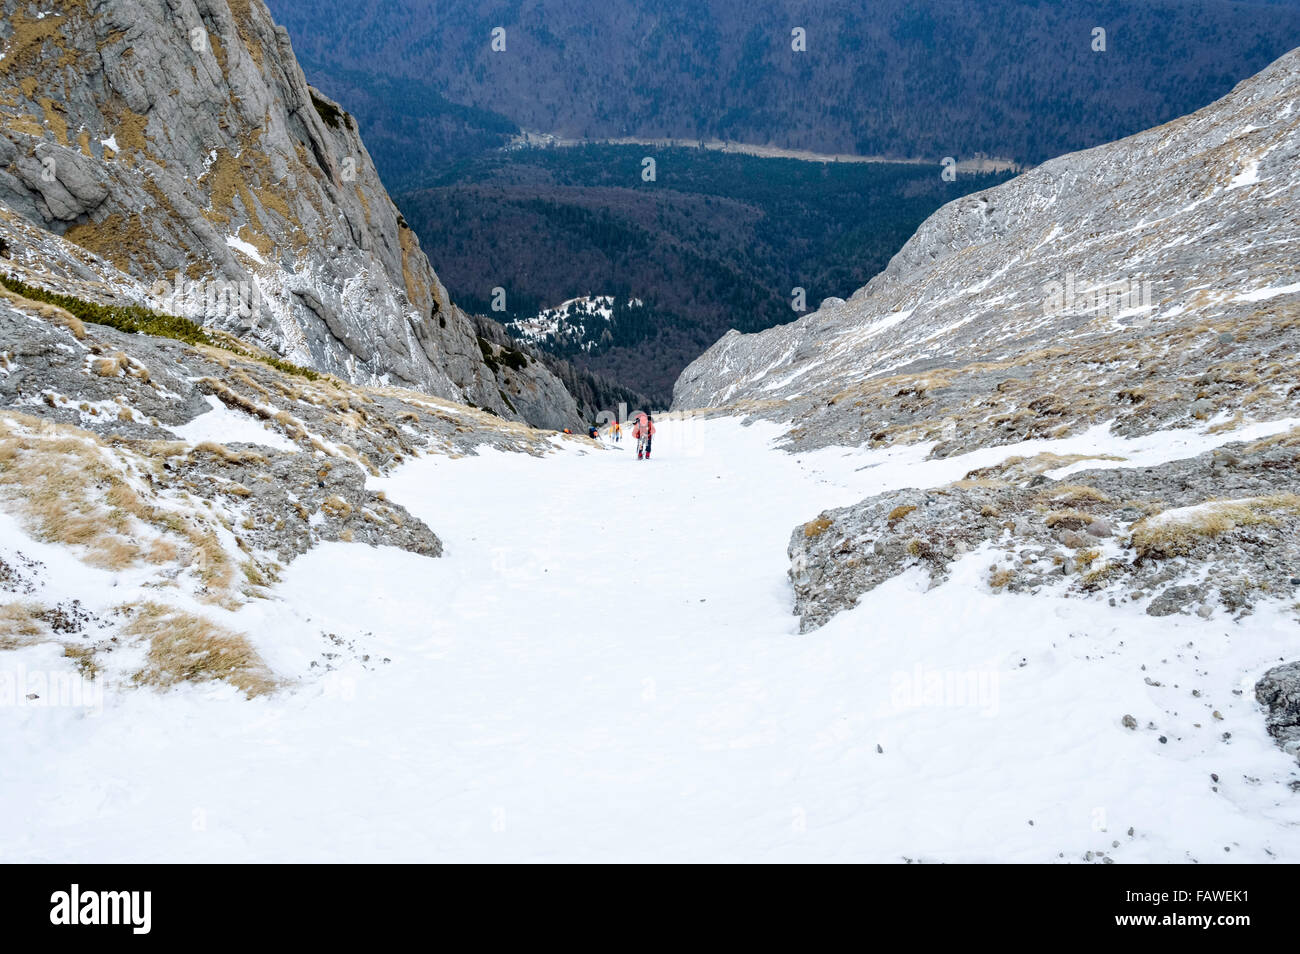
643, 432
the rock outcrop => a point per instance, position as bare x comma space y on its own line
191, 463
180, 141
540, 398
1279, 693
1215, 533
592, 393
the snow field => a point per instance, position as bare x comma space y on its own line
604, 666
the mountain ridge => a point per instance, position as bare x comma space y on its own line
1112, 240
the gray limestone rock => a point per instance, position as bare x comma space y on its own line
180, 141
1278, 691
1173, 551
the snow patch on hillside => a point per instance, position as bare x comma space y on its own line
247, 248
223, 425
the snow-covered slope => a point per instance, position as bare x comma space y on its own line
1152, 281
571, 682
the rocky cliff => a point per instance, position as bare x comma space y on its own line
180, 142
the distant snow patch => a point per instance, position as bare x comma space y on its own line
569, 319
1263, 294
208, 160
240, 245
1247, 176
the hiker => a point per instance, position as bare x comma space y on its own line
644, 432
617, 430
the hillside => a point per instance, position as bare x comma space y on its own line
918, 81
1149, 281
187, 151
1133, 289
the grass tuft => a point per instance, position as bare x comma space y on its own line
188, 648
815, 528
1176, 532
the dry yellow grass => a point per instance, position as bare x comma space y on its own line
188, 648
243, 378
1074, 495
162, 551
51, 473
1232, 423
900, 513
336, 506
25, 623
292, 426
20, 624
253, 573
1017, 469
110, 367
222, 358
233, 398
229, 456
1068, 519
28, 37
815, 528
84, 659
69, 487
52, 313
1175, 532
1289, 438
1098, 575
982, 483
